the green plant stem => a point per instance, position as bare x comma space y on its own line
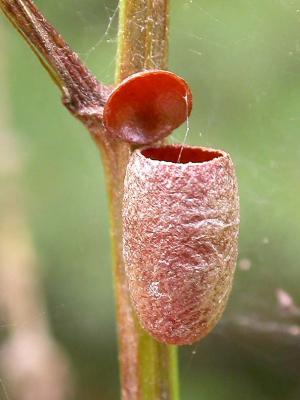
148, 369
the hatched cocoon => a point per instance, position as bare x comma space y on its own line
180, 224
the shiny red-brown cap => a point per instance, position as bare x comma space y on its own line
147, 107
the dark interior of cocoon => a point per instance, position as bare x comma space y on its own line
181, 154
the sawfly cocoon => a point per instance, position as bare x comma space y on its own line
180, 224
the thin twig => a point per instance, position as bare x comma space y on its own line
83, 95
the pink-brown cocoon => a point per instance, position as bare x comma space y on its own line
180, 221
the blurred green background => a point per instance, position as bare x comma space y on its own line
242, 60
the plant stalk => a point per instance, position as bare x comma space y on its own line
148, 369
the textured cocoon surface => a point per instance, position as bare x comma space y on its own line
180, 222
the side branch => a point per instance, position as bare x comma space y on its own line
83, 95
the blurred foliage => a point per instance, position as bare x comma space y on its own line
242, 60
